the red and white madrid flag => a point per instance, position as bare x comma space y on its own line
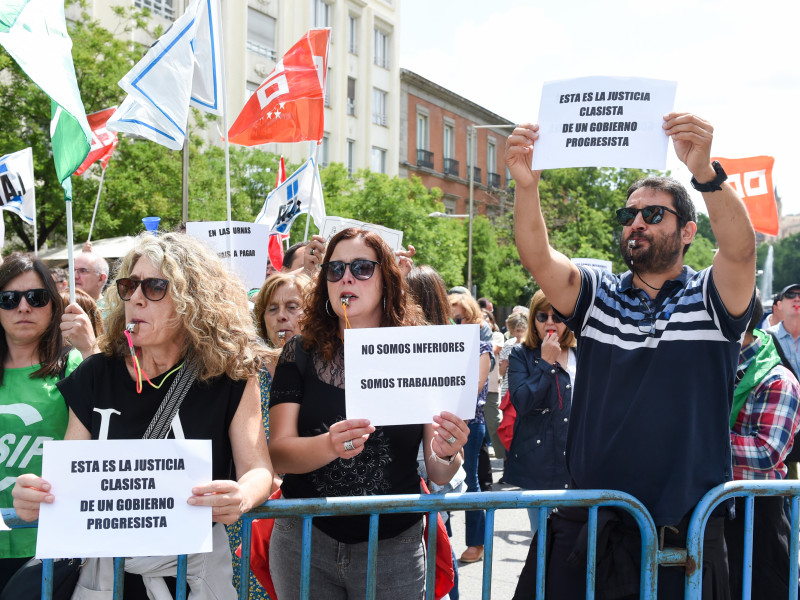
289, 105
103, 141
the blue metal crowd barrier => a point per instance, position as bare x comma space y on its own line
376, 505
651, 555
749, 490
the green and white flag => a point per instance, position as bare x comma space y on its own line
34, 33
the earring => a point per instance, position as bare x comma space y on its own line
329, 308
384, 304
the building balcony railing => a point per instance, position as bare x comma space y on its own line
351, 106
476, 174
493, 180
451, 166
424, 158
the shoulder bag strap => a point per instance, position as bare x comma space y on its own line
162, 420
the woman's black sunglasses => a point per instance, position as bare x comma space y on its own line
360, 268
35, 298
542, 317
652, 215
153, 288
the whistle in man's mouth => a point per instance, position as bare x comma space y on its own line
632, 243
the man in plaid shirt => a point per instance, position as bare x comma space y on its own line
764, 420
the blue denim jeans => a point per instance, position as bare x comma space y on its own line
339, 571
475, 520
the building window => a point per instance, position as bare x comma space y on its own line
379, 99
381, 49
351, 96
328, 88
491, 157
423, 132
250, 88
322, 14
261, 34
352, 34
449, 141
351, 156
469, 147
378, 160
161, 8
324, 150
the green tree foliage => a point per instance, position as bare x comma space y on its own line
398, 204
786, 258
143, 178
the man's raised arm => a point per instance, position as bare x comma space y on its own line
734, 265
558, 277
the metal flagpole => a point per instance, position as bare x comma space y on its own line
313, 189
96, 203
70, 253
227, 142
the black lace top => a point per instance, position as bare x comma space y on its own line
387, 465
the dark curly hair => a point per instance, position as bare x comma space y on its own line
321, 330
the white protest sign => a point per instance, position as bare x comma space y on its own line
333, 225
124, 498
598, 263
249, 247
603, 122
403, 375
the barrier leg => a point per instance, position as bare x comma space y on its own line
488, 547
180, 591
430, 568
305, 561
591, 553
793, 549
372, 556
119, 577
47, 579
541, 553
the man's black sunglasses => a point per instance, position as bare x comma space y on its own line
652, 215
154, 289
35, 298
361, 268
791, 295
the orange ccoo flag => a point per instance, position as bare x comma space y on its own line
752, 179
104, 141
289, 105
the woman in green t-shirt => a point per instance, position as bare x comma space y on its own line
33, 357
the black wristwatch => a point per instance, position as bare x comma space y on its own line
715, 184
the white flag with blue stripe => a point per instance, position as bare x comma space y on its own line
301, 193
17, 193
183, 67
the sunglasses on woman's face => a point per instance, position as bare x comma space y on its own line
652, 215
543, 316
35, 298
154, 289
360, 268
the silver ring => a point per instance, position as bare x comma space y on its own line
348, 445
312, 252
451, 440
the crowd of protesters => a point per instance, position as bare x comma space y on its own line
661, 382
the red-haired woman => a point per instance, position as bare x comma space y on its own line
324, 454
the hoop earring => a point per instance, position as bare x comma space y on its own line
329, 308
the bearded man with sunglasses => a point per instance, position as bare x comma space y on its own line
657, 355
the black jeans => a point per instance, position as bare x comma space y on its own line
771, 538
618, 560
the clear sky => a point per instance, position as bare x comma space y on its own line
736, 62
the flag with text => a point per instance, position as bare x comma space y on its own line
752, 179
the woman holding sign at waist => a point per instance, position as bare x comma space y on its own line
177, 321
323, 454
